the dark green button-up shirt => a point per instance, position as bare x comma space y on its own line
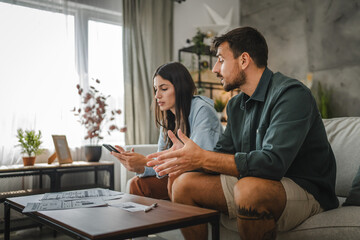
278, 132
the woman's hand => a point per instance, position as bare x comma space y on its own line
132, 161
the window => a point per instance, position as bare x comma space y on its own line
39, 71
106, 64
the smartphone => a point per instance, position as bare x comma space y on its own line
110, 148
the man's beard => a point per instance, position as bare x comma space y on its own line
239, 80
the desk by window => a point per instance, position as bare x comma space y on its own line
55, 173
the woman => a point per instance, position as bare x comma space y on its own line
176, 108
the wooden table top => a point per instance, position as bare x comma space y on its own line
101, 222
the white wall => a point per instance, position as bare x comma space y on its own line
192, 13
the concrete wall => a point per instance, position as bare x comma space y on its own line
321, 37
190, 14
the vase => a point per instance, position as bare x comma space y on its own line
29, 161
93, 153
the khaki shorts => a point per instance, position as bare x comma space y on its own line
300, 204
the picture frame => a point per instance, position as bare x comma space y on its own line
62, 149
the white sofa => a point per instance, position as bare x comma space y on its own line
340, 223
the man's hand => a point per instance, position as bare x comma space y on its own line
177, 144
175, 160
132, 161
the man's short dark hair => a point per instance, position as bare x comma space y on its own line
245, 39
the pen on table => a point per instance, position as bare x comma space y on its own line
152, 206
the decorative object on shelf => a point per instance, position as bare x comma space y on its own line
221, 24
204, 65
219, 106
94, 115
30, 143
62, 149
93, 153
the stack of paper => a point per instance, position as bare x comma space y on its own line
73, 199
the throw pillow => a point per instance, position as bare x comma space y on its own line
354, 196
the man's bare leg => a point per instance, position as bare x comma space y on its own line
202, 190
260, 203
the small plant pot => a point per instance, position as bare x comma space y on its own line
29, 161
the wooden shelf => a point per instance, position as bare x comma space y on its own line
55, 172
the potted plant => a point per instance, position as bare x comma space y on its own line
219, 106
30, 142
95, 116
198, 41
323, 101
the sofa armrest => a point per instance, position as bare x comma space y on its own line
143, 149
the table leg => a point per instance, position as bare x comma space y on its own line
7, 221
58, 176
40, 180
111, 172
215, 229
52, 176
96, 176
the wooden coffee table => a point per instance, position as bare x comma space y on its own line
115, 223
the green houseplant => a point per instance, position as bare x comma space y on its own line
94, 114
198, 41
219, 106
323, 101
30, 143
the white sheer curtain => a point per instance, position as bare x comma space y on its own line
38, 70
43, 55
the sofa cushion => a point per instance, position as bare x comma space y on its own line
340, 223
144, 149
354, 196
343, 135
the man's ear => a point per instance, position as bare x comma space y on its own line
244, 60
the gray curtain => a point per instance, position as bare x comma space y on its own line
147, 40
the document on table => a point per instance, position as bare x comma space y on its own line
93, 197
130, 206
63, 204
106, 194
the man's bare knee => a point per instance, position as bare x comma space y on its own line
182, 188
261, 194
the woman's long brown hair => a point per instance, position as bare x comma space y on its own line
185, 88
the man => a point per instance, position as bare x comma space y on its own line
276, 165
